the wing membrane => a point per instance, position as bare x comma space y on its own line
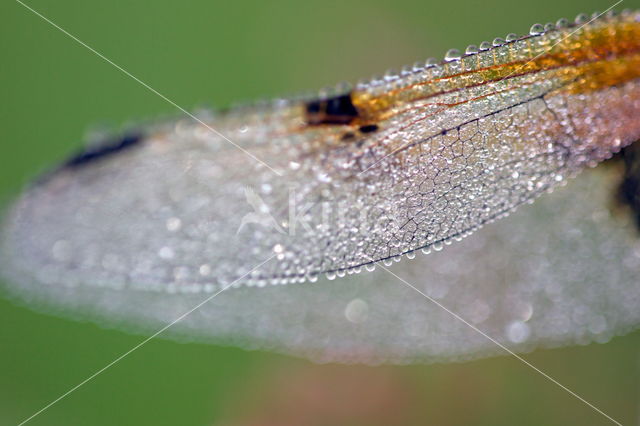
163, 213
527, 281
411, 163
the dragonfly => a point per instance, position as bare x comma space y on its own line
289, 206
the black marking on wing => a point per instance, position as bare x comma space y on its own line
88, 156
629, 188
369, 128
105, 150
336, 110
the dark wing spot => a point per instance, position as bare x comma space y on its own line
348, 136
336, 110
629, 189
106, 149
369, 128
93, 154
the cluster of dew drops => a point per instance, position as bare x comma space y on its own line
453, 55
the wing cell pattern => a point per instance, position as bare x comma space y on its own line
413, 162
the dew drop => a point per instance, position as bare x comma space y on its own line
173, 224
452, 55
536, 29
390, 75
431, 62
294, 165
525, 310
511, 37
266, 188
357, 311
406, 70
204, 270
518, 332
471, 49
582, 19
166, 253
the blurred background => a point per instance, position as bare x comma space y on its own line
201, 53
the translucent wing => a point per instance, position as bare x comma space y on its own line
329, 185
527, 281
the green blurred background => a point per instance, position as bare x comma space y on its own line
214, 53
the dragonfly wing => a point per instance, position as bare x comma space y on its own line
286, 192
173, 212
561, 271
335, 183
